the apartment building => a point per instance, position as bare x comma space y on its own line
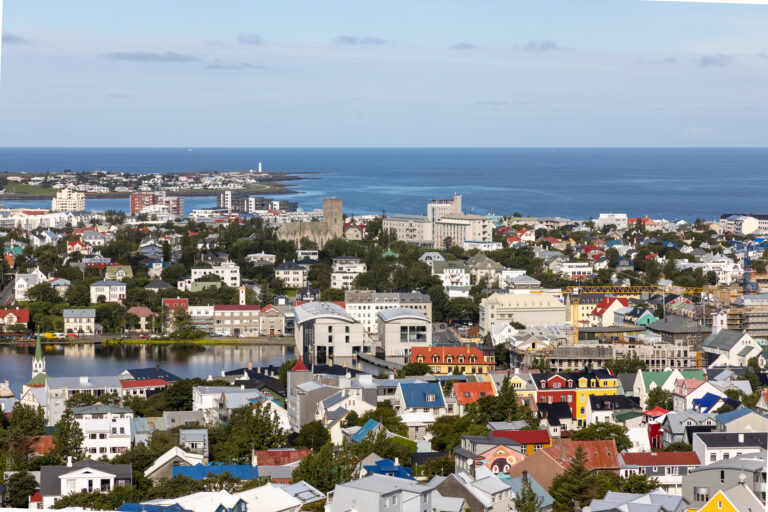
416, 229
68, 200
59, 389
106, 429
236, 319
459, 228
345, 270
365, 305
292, 274
400, 330
228, 272
143, 202
202, 317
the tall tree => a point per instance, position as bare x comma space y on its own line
576, 484
248, 429
21, 485
313, 435
658, 397
324, 469
68, 437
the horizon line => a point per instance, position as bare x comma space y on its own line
192, 148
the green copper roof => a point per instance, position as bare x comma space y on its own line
627, 415
38, 380
38, 349
694, 374
657, 378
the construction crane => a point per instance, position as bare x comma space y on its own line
574, 291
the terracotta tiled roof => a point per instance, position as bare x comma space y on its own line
141, 311
469, 392
280, 457
600, 454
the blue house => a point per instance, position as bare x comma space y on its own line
200, 471
711, 403
387, 467
419, 397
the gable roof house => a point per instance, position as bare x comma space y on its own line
86, 475
729, 348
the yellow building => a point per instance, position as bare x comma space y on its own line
736, 499
575, 389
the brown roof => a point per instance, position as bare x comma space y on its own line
600, 454
43, 445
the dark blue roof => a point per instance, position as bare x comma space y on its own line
706, 402
388, 467
199, 471
415, 395
366, 429
152, 373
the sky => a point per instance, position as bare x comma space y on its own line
360, 73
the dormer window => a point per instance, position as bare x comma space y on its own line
449, 359
543, 384
435, 359
430, 398
461, 359
570, 383
421, 359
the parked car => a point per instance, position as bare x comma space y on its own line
72, 335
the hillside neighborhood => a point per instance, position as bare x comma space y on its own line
440, 362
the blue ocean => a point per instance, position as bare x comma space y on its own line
577, 183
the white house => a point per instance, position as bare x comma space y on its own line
24, 282
112, 291
86, 475
106, 429
345, 270
729, 348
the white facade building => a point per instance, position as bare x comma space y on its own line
345, 270
68, 200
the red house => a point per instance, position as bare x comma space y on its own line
178, 302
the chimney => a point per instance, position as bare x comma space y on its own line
397, 461
525, 477
83, 380
563, 452
250, 365
741, 438
576, 506
69, 461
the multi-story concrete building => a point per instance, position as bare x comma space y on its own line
402, 329
457, 228
68, 200
236, 320
528, 309
106, 429
202, 317
612, 219
144, 202
416, 229
365, 305
345, 270
573, 269
326, 334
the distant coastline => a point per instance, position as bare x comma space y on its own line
273, 185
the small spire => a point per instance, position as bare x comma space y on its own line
300, 367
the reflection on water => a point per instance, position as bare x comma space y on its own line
184, 361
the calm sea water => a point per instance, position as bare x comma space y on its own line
579, 183
77, 360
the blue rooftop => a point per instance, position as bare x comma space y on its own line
363, 432
706, 402
730, 416
387, 467
199, 471
422, 395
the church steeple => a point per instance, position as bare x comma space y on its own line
38, 363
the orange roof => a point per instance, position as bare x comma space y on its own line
43, 445
442, 354
469, 392
600, 454
656, 412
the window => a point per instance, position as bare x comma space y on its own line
722, 477
701, 493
